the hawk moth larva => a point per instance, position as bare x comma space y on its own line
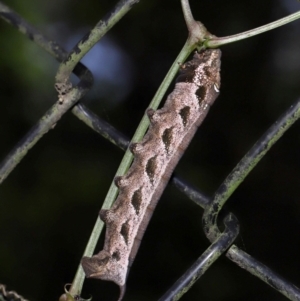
171, 129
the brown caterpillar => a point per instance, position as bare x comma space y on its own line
171, 129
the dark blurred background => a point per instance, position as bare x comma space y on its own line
50, 202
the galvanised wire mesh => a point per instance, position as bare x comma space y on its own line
222, 242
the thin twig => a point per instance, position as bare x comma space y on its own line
217, 42
198, 34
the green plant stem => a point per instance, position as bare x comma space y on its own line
198, 34
217, 42
187, 12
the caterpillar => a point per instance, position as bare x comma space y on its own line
171, 129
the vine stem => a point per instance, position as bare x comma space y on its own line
198, 34
187, 13
216, 42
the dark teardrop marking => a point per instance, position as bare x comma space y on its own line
125, 232
167, 138
116, 255
201, 93
150, 168
186, 76
137, 200
188, 70
207, 71
184, 114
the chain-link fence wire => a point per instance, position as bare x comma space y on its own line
220, 241
9, 295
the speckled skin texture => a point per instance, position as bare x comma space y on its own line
171, 129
